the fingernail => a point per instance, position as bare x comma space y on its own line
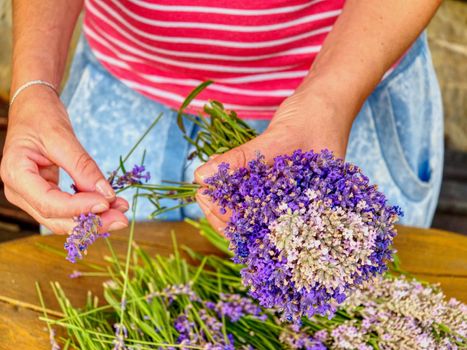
99, 208
104, 188
199, 176
123, 208
206, 170
118, 225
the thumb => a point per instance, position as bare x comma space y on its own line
84, 171
266, 144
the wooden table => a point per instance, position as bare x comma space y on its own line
432, 255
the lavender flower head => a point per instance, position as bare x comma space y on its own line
295, 339
136, 176
83, 234
121, 333
190, 336
309, 228
53, 342
233, 307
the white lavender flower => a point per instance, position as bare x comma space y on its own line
322, 245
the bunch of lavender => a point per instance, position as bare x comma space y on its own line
390, 313
404, 313
309, 228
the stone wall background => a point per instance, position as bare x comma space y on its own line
447, 35
448, 40
5, 47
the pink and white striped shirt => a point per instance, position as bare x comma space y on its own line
257, 52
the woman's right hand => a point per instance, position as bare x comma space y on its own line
39, 141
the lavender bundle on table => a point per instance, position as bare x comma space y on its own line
309, 228
390, 313
407, 314
172, 304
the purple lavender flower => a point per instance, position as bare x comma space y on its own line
309, 228
53, 342
321, 335
83, 234
75, 274
347, 336
296, 339
120, 334
134, 177
191, 335
234, 307
172, 292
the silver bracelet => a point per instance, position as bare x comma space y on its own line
29, 84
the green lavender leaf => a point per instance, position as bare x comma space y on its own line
187, 102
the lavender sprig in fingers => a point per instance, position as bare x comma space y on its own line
309, 228
86, 230
83, 235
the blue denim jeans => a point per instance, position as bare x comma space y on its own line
397, 138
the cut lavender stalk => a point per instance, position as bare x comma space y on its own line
309, 228
293, 338
83, 235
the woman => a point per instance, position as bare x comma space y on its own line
352, 76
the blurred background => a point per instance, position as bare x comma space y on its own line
448, 41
